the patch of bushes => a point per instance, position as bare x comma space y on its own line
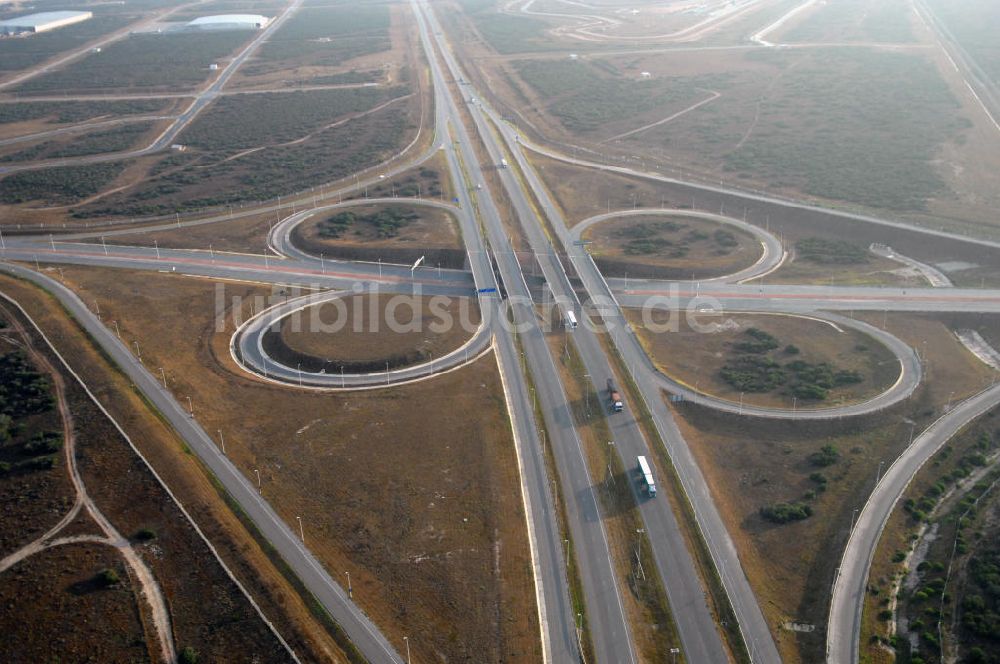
387, 222
63, 184
786, 512
753, 371
23, 390
826, 456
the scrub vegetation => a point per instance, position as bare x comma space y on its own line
855, 20
324, 36
143, 61
67, 112
506, 33
62, 184
257, 147
861, 126
589, 97
239, 122
117, 139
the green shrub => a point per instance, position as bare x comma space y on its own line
826, 456
107, 577
786, 512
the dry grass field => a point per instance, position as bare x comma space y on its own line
396, 233
55, 609
875, 271
420, 339
696, 358
208, 613
752, 464
277, 596
424, 512
670, 247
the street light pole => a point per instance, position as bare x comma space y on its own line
350, 588
302, 533
257, 472
191, 406
222, 440
138, 353
163, 376
406, 640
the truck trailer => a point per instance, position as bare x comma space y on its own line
614, 398
646, 476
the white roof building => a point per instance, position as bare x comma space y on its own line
42, 22
229, 22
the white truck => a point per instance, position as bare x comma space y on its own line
503, 163
646, 476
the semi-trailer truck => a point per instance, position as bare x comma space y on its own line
614, 398
646, 476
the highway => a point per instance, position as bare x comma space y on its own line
530, 372
606, 625
700, 637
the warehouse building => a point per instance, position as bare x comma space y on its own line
229, 22
42, 22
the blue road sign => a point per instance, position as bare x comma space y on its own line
487, 290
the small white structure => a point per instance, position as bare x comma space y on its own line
573, 56
213, 67
645, 75
42, 22
229, 22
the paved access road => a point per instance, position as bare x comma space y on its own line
772, 252
846, 607
247, 349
